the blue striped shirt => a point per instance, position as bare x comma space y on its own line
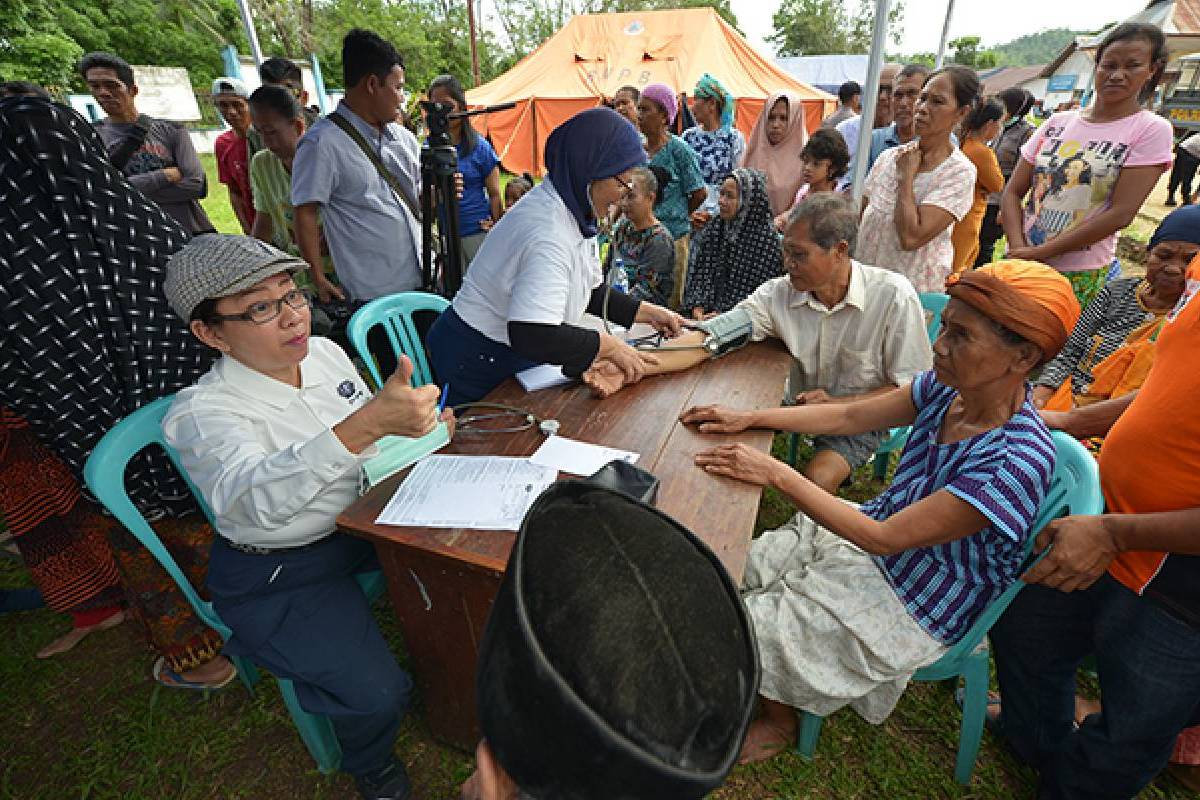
1003, 473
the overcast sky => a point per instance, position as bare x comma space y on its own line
996, 21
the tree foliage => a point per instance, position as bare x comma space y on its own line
42, 40
33, 45
817, 27
965, 50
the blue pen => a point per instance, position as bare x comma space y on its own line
442, 401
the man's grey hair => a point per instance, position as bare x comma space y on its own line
831, 217
909, 70
645, 180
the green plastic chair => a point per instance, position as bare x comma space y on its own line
395, 313
104, 474
932, 303
1074, 489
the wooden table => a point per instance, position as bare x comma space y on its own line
442, 581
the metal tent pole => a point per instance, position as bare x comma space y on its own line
870, 96
251, 34
941, 54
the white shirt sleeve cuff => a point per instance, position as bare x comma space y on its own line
327, 457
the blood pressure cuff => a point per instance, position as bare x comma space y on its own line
728, 331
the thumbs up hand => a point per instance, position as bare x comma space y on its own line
400, 409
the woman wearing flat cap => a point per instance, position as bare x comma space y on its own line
273, 437
849, 602
538, 272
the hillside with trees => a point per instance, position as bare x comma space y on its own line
1033, 48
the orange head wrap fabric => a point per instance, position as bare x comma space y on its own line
1030, 299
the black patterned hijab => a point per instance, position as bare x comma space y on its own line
86, 335
730, 259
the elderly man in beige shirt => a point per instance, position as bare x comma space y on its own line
854, 330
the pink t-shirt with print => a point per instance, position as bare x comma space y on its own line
1076, 164
950, 186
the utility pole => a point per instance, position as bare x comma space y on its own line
474, 48
945, 35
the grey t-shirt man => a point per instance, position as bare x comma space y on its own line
167, 144
374, 239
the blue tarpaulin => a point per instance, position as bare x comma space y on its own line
825, 72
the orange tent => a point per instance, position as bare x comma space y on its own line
596, 54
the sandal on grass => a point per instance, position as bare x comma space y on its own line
173, 680
76, 635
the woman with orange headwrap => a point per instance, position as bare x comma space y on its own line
849, 602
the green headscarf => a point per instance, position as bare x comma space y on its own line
711, 88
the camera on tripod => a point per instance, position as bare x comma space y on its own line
439, 195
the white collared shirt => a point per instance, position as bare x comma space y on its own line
263, 453
874, 337
534, 266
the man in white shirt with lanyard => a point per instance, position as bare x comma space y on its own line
274, 437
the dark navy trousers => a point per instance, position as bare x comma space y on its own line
302, 616
1148, 661
470, 362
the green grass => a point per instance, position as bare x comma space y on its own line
216, 205
93, 724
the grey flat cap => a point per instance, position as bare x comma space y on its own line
219, 265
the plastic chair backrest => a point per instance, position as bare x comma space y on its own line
104, 474
933, 304
395, 313
1074, 489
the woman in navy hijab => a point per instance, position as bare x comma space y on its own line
538, 272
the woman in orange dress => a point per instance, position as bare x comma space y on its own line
980, 127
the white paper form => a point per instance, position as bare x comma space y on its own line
543, 376
578, 458
484, 492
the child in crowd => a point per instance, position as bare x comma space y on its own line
517, 186
643, 245
823, 161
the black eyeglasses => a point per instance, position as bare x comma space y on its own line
263, 311
626, 186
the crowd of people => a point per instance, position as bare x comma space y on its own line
117, 291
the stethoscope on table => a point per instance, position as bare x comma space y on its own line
523, 419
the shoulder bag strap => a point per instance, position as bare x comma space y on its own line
392, 181
124, 151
